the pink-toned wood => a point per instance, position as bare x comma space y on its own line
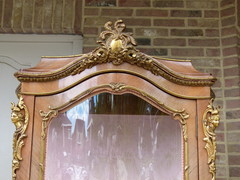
162, 82
36, 144
203, 157
167, 92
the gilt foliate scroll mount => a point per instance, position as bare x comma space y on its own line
116, 47
115, 39
20, 118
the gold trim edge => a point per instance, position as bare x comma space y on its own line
20, 118
117, 47
211, 120
180, 115
118, 71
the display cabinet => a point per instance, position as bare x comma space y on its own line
114, 114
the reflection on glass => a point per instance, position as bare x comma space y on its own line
114, 137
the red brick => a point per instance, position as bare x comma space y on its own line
78, 17
211, 14
47, 18
117, 12
228, 12
167, 4
38, 16
154, 51
17, 16
91, 11
169, 42
90, 31
230, 51
27, 16
234, 171
57, 19
233, 71
234, 159
203, 22
234, 148
68, 16
7, 16
221, 125
134, 3
186, 32
229, 61
89, 40
221, 171
137, 22
202, 4
218, 178
187, 52
233, 103
227, 2
100, 21
229, 31
219, 85
143, 41
233, 137
220, 137
206, 63
152, 12
204, 42
230, 41
215, 72
234, 114
151, 32
169, 22
220, 148
238, 12
213, 52
232, 82
232, 92
232, 126
100, 2
221, 159
212, 32
186, 13
228, 21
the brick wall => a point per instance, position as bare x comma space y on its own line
231, 71
41, 16
205, 31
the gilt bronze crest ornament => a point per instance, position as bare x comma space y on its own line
116, 47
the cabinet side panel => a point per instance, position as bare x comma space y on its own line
36, 147
192, 140
203, 157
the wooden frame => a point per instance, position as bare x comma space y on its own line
118, 67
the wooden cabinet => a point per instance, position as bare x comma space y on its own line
114, 114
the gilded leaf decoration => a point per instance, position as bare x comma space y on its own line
211, 120
20, 118
45, 118
116, 47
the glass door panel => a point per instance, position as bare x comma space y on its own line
114, 137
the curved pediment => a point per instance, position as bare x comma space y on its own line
117, 48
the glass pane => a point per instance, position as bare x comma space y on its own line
114, 137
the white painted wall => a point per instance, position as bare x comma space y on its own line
18, 52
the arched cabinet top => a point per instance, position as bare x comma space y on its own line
117, 54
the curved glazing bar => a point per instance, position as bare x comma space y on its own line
114, 137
